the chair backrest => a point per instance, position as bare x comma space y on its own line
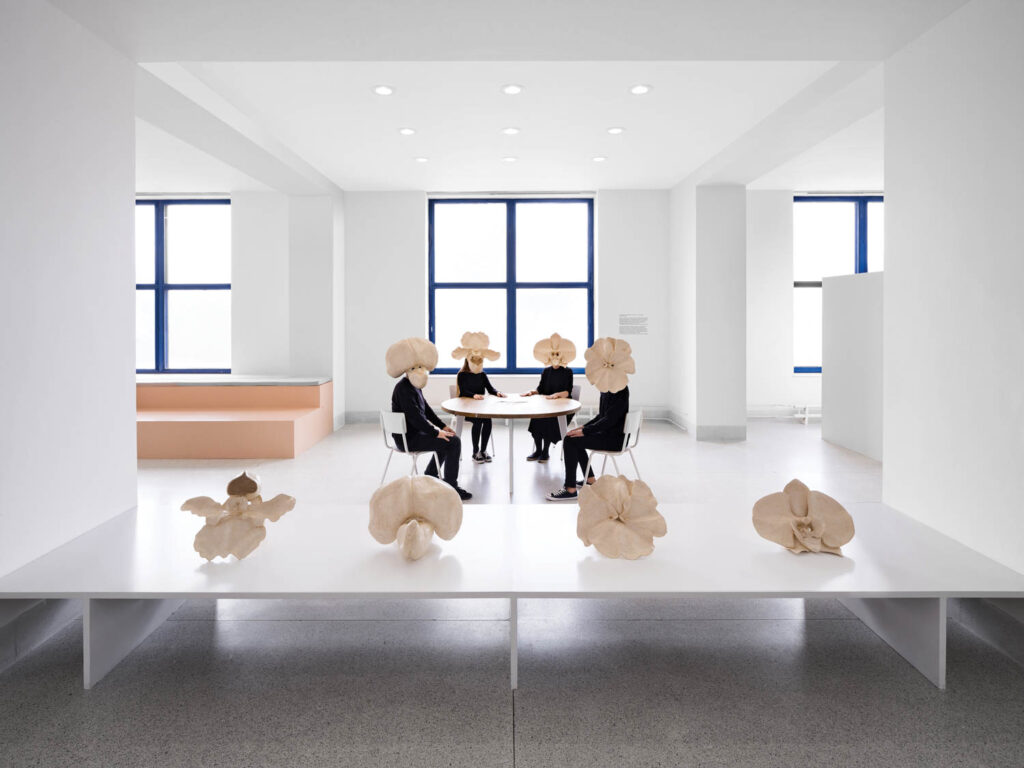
575, 394
632, 429
392, 423
453, 390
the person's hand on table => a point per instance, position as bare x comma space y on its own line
478, 397
578, 432
531, 393
502, 394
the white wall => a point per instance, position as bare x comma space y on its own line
721, 312
310, 285
67, 458
954, 314
682, 286
385, 289
772, 387
338, 312
260, 342
632, 263
851, 379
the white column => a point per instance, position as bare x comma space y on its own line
311, 285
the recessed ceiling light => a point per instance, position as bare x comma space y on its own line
600, 159
508, 159
406, 131
421, 159
640, 90
510, 131
383, 90
512, 89
615, 131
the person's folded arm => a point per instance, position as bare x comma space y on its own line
416, 420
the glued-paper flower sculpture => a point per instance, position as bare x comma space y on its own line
475, 349
411, 510
802, 520
414, 357
236, 527
619, 517
608, 363
554, 351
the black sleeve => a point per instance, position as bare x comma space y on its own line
415, 418
432, 417
488, 386
613, 410
460, 386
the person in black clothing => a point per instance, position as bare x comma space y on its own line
425, 431
555, 382
608, 362
474, 384
471, 381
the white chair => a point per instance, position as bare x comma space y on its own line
632, 429
394, 424
453, 391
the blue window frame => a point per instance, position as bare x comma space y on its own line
510, 286
161, 288
858, 251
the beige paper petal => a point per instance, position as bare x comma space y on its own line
545, 349
797, 493
421, 498
619, 517
609, 361
270, 510
802, 520
233, 536
838, 525
772, 518
410, 353
204, 506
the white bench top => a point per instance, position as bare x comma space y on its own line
320, 550
227, 380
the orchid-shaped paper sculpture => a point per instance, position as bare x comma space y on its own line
414, 357
554, 351
802, 520
608, 363
236, 527
475, 349
619, 517
411, 510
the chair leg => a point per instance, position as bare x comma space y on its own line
615, 464
635, 467
415, 470
386, 465
586, 470
604, 464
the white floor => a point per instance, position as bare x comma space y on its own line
346, 468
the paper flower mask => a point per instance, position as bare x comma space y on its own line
474, 350
236, 527
414, 357
619, 517
802, 520
411, 509
608, 363
554, 351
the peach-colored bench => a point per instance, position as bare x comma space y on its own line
231, 417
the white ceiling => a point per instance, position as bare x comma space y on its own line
850, 161
328, 114
165, 165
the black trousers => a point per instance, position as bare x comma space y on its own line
448, 450
481, 429
576, 453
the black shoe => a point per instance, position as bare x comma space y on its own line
562, 495
487, 458
478, 457
463, 493
544, 458
535, 456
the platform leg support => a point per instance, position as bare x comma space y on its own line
915, 627
113, 628
513, 641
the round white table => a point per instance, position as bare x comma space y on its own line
511, 408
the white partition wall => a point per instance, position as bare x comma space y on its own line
954, 313
851, 370
67, 303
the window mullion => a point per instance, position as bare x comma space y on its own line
160, 288
510, 289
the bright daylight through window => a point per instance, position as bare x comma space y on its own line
831, 236
517, 270
182, 286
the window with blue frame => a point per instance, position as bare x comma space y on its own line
515, 269
183, 286
832, 235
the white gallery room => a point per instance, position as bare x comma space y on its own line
559, 383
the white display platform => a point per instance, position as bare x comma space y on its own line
134, 570
227, 380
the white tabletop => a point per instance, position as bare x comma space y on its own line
511, 407
509, 550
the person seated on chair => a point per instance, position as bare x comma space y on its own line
425, 431
608, 363
471, 381
555, 383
